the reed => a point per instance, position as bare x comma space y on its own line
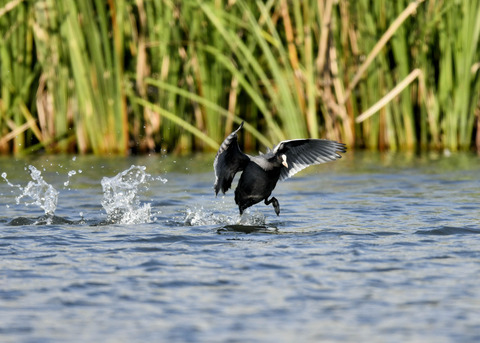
132, 76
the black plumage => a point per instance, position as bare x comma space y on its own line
261, 173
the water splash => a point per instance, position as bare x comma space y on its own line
4, 176
198, 216
246, 223
254, 219
121, 196
40, 192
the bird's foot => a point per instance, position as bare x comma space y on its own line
275, 203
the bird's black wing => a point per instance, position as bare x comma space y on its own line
302, 153
229, 160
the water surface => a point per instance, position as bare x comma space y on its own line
369, 248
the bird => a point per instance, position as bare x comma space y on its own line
261, 173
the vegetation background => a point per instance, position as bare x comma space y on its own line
134, 76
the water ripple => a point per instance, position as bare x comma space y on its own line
382, 250
448, 230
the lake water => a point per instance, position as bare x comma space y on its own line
377, 248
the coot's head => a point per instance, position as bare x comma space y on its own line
279, 161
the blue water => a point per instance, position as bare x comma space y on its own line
377, 248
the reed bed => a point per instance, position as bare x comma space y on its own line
135, 76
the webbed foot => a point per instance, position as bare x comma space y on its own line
275, 203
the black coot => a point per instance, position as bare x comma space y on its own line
261, 173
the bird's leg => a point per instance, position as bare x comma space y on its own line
276, 205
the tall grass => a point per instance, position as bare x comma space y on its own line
131, 76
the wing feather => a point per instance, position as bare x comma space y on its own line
302, 153
228, 161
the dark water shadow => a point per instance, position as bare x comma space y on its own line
43, 220
448, 230
54, 220
247, 229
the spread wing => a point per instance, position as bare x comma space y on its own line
302, 153
229, 160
